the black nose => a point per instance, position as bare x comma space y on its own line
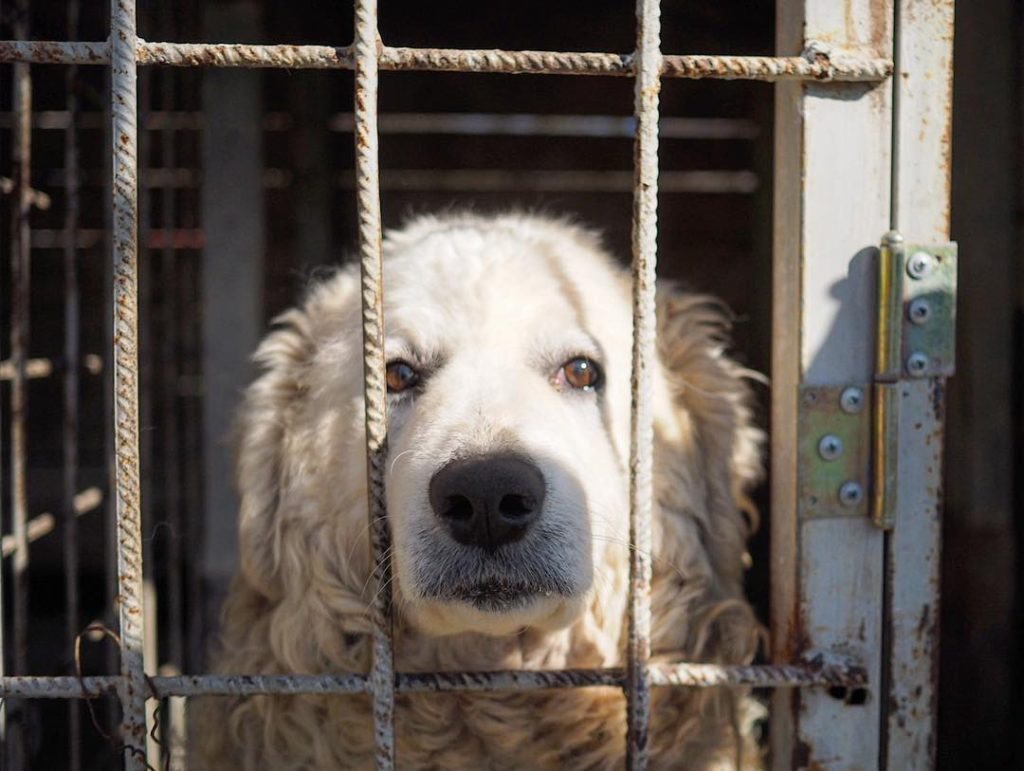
487, 500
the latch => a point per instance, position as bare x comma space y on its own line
848, 435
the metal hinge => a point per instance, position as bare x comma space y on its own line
848, 434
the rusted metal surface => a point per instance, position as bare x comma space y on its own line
69, 443
827, 573
13, 735
818, 61
820, 671
820, 477
641, 452
921, 207
382, 676
126, 385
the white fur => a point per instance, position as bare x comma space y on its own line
489, 308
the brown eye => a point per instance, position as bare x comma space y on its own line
401, 377
581, 373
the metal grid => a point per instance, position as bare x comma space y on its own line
123, 53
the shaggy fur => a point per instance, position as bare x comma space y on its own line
487, 304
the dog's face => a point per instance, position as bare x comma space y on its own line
508, 369
508, 347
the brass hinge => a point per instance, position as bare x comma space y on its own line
848, 434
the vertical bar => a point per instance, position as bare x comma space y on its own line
72, 356
150, 589
382, 678
923, 89
832, 184
20, 284
645, 244
171, 456
126, 387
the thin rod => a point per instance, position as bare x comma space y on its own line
836, 673
817, 63
641, 464
170, 465
21, 208
72, 320
126, 385
382, 676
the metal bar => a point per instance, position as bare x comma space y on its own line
72, 320
700, 181
818, 62
175, 732
453, 123
126, 387
641, 464
43, 524
382, 678
827, 672
42, 368
21, 207
827, 573
921, 207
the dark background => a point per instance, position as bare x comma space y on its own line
716, 239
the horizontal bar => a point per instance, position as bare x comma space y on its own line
43, 368
819, 62
518, 124
715, 181
839, 672
36, 198
84, 502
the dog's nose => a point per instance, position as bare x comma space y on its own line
487, 500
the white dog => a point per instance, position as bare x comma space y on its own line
508, 342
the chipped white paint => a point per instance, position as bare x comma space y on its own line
923, 129
832, 206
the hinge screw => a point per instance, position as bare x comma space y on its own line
917, 364
851, 401
830, 447
919, 311
920, 264
850, 494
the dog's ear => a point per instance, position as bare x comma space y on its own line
261, 435
721, 446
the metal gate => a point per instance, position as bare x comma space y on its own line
860, 354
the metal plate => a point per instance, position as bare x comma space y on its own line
932, 338
819, 480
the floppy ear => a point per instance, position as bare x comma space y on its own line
261, 433
712, 399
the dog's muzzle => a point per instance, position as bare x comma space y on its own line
488, 500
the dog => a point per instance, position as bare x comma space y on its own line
508, 346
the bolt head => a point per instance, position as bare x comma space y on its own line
919, 311
830, 447
851, 493
851, 401
920, 264
917, 364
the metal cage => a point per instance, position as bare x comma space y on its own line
810, 640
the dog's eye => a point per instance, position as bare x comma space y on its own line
401, 377
580, 373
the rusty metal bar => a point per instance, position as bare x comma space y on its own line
21, 206
382, 678
72, 320
818, 62
123, 77
641, 451
831, 672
